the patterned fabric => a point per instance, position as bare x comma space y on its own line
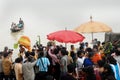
44, 66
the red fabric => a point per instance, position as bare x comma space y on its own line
66, 36
98, 77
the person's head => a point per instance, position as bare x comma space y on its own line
55, 51
95, 39
82, 44
71, 68
98, 43
27, 54
108, 69
40, 54
6, 55
67, 53
18, 60
90, 55
63, 52
22, 49
103, 43
100, 65
30, 58
86, 44
40, 48
5, 49
117, 52
20, 46
88, 50
111, 60
95, 48
88, 70
10, 51
80, 53
72, 47
32, 53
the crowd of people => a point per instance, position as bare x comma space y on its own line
55, 62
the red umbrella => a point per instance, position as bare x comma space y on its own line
66, 36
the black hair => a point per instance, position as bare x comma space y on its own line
18, 60
95, 47
55, 51
117, 52
89, 73
27, 54
98, 42
90, 54
5, 48
72, 53
88, 69
108, 68
111, 60
63, 51
86, 42
32, 53
79, 52
40, 48
67, 52
72, 46
89, 50
30, 58
40, 54
101, 63
71, 68
5, 54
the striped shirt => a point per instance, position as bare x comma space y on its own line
44, 66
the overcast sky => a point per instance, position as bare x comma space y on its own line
64, 13
44, 16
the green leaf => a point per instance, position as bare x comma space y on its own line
15, 45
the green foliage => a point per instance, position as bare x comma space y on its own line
108, 47
15, 45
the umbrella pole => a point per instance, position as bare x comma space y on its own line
92, 36
66, 45
39, 41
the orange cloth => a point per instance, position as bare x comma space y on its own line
25, 41
96, 57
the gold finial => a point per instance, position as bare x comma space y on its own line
91, 18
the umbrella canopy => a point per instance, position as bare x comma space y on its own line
93, 27
66, 36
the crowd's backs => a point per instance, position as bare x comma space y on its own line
96, 63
